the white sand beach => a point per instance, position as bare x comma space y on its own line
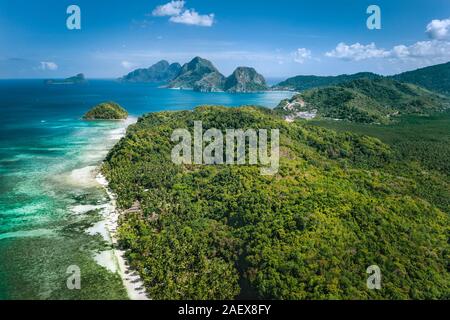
131, 279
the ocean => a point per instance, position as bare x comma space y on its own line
51, 206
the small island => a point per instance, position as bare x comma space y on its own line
78, 79
106, 111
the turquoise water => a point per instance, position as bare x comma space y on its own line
50, 203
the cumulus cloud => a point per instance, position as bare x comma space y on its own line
191, 17
173, 8
432, 50
357, 52
178, 14
422, 49
439, 29
302, 54
48, 65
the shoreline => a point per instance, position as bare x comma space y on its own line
130, 278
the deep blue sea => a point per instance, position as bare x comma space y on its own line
50, 203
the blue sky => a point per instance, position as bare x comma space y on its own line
279, 38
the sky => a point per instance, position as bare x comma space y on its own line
279, 38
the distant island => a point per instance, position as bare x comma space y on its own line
245, 79
161, 71
78, 79
199, 75
106, 111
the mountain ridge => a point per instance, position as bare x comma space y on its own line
435, 78
362, 100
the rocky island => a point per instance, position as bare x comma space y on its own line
78, 79
201, 75
161, 71
106, 111
245, 79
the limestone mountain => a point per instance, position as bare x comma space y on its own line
161, 71
200, 75
245, 79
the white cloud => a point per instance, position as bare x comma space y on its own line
400, 51
433, 51
423, 49
127, 64
439, 29
178, 14
357, 52
191, 17
173, 8
302, 54
48, 65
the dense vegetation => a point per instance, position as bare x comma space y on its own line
106, 111
422, 141
340, 203
301, 83
435, 78
365, 101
